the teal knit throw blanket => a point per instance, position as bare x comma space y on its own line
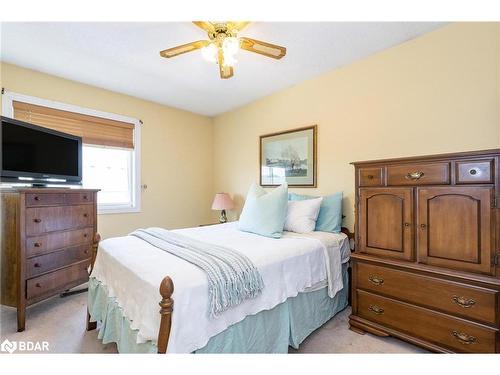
232, 277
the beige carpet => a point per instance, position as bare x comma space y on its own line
61, 322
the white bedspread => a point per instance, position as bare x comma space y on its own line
132, 270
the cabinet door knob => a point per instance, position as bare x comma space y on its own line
37, 265
85, 215
85, 197
85, 235
37, 244
38, 285
423, 226
407, 224
37, 198
37, 220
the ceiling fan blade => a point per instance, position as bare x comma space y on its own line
237, 26
179, 50
207, 26
224, 71
263, 48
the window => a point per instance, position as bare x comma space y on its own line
111, 144
111, 170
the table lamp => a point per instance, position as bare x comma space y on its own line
223, 202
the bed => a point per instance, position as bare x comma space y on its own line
305, 277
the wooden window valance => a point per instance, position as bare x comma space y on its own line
93, 130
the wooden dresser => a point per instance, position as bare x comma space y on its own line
426, 267
48, 238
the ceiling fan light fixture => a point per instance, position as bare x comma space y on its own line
231, 46
209, 53
223, 46
229, 60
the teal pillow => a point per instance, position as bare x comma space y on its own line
330, 212
264, 213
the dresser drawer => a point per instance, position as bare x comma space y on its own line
444, 330
49, 219
58, 199
371, 176
451, 297
419, 174
48, 262
50, 242
474, 172
56, 281
79, 198
44, 199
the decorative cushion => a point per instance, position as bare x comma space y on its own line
301, 216
264, 212
330, 213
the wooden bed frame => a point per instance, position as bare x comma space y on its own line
167, 302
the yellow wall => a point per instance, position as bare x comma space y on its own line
437, 93
177, 151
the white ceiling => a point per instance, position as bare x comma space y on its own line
124, 57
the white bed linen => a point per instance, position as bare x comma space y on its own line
132, 270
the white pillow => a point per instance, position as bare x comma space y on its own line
301, 216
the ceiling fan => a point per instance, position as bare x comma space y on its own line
224, 44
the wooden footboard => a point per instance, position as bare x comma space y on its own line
167, 306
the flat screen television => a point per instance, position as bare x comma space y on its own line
39, 156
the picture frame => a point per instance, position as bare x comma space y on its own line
289, 156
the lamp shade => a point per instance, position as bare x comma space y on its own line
222, 201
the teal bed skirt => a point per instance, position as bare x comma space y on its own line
269, 331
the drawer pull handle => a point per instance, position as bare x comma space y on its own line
414, 175
407, 224
37, 220
463, 302
370, 177
376, 280
37, 244
85, 215
85, 197
37, 198
473, 172
376, 309
85, 251
38, 285
37, 265
423, 226
85, 235
464, 338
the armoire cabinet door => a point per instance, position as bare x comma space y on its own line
454, 228
385, 222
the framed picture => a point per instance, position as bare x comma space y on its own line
289, 156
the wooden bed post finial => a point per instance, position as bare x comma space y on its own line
166, 304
